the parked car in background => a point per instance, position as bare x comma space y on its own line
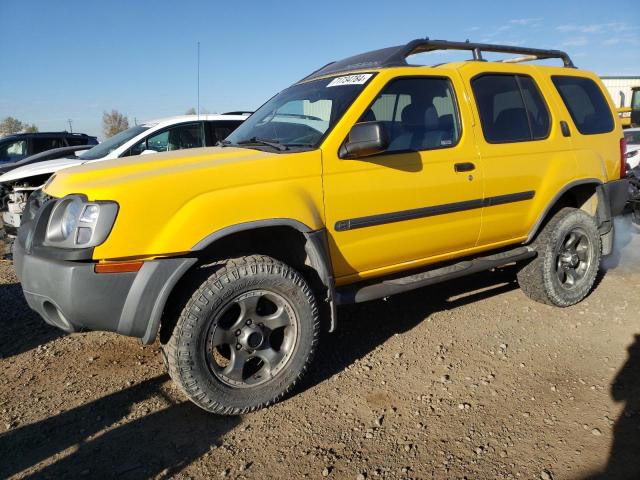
632, 138
162, 135
46, 155
21, 145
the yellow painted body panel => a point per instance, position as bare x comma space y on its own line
169, 202
398, 182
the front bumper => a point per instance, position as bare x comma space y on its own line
71, 296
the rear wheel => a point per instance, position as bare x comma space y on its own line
565, 269
245, 337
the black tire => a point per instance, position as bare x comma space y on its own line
240, 295
6, 246
564, 271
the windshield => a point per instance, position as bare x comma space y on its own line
300, 116
105, 148
633, 137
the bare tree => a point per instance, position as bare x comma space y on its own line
191, 111
30, 128
113, 122
10, 125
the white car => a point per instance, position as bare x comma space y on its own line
173, 133
632, 137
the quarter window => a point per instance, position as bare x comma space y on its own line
418, 113
511, 108
10, 152
586, 104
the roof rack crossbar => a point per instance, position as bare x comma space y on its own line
426, 45
397, 56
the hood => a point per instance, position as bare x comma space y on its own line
168, 202
101, 179
40, 168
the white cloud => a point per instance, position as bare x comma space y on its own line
612, 41
576, 42
525, 21
596, 28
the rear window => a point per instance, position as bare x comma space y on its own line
586, 104
511, 108
42, 144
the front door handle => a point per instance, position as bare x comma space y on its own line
464, 167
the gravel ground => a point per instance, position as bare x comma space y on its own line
467, 379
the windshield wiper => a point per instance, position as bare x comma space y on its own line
263, 141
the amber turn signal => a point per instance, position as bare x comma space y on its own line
118, 267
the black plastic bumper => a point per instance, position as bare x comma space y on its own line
71, 296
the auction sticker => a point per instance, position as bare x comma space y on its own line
350, 80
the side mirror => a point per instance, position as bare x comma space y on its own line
147, 152
365, 139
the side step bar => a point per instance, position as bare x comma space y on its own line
359, 293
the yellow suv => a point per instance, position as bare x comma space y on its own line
367, 178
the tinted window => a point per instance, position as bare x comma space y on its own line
41, 144
511, 108
220, 130
176, 138
632, 137
75, 141
12, 151
586, 104
536, 108
418, 113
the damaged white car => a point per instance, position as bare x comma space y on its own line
174, 133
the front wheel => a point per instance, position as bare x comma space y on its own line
245, 337
566, 267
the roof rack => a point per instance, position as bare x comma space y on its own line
238, 112
397, 56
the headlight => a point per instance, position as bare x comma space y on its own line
69, 219
76, 223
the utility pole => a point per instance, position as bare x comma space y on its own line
70, 126
198, 81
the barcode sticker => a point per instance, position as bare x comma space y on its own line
350, 80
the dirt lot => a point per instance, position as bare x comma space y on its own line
469, 379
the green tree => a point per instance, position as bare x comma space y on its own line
113, 122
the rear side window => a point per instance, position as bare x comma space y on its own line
511, 108
41, 144
218, 131
75, 141
586, 104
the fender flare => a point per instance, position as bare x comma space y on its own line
316, 246
536, 227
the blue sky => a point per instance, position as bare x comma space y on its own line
76, 58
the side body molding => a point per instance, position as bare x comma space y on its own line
316, 247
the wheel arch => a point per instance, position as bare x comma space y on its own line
287, 240
582, 194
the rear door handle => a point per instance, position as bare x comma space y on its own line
464, 167
564, 127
